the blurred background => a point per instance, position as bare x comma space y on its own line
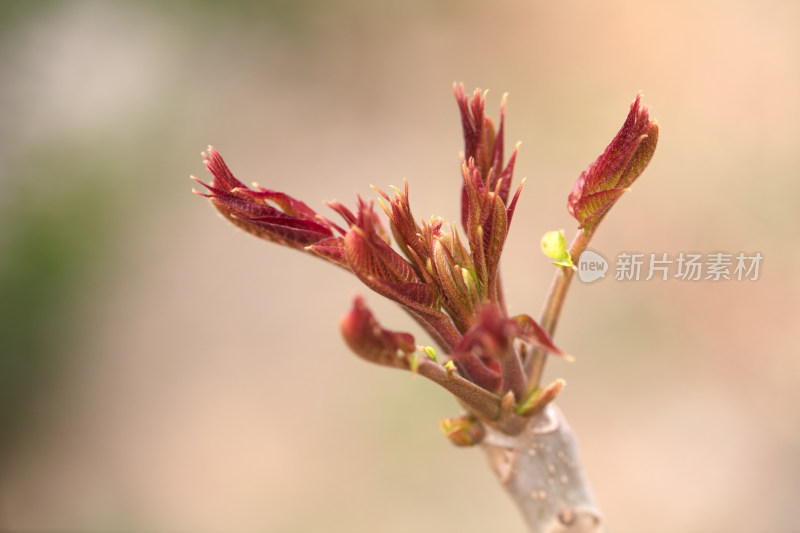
161, 371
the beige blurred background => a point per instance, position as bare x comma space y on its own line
161, 371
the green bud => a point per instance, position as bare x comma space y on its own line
469, 283
528, 403
462, 431
413, 361
430, 352
537, 399
554, 246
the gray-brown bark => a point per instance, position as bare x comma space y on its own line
541, 470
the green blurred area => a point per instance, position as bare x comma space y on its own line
52, 245
20, 13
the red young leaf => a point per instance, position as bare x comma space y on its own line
616, 169
482, 145
294, 224
370, 341
331, 249
404, 228
530, 331
370, 256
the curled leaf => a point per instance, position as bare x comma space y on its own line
370, 341
601, 185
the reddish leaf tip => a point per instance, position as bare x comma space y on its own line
365, 336
624, 159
